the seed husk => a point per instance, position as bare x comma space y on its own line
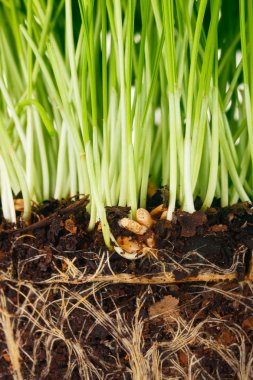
152, 188
19, 204
158, 210
144, 218
132, 226
128, 245
164, 215
151, 241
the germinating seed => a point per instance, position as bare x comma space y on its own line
132, 226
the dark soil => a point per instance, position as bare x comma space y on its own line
219, 241
114, 331
68, 320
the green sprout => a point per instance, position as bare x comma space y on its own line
104, 97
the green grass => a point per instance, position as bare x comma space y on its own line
81, 83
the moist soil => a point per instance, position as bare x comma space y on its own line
71, 309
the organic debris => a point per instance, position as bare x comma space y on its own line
248, 323
166, 309
190, 222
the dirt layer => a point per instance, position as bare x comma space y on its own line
58, 244
122, 331
61, 315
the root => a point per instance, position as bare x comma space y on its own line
174, 357
12, 341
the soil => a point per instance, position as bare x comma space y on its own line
71, 309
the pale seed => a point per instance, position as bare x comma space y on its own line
132, 226
143, 217
128, 245
164, 215
151, 241
159, 209
19, 204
